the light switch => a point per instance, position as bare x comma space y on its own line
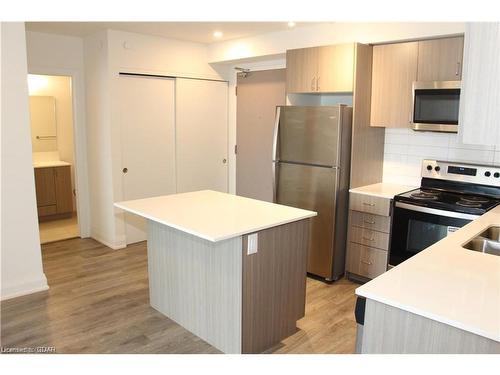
253, 240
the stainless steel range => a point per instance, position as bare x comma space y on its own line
451, 195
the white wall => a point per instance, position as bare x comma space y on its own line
52, 54
59, 87
21, 261
405, 149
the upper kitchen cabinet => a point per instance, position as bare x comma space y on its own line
440, 59
479, 114
301, 70
320, 69
394, 69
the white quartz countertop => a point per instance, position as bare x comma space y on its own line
383, 189
212, 215
49, 164
447, 283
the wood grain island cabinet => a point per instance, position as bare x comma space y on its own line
320, 69
53, 192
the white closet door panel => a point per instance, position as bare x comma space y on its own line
201, 135
147, 119
480, 96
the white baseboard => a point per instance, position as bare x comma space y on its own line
105, 242
17, 290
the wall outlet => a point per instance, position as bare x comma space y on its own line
253, 240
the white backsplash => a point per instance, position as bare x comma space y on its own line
405, 149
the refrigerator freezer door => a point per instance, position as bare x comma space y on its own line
312, 188
309, 135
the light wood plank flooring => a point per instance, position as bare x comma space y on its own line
98, 303
57, 230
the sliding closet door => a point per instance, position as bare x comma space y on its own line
201, 135
147, 117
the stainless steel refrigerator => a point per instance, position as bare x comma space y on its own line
311, 167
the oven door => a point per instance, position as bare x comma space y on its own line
414, 228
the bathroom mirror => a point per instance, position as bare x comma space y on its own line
43, 123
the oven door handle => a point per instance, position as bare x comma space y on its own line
427, 210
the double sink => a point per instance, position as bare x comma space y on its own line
487, 241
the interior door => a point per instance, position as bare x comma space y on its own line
259, 93
312, 188
147, 119
201, 135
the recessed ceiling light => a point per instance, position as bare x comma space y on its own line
291, 24
218, 34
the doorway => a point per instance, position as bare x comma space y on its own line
53, 151
259, 92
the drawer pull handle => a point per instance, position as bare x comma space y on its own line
368, 222
369, 204
369, 239
366, 262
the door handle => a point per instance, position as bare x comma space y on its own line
368, 221
224, 161
369, 239
317, 84
313, 84
457, 71
125, 170
366, 262
369, 204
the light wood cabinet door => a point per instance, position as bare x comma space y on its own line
366, 261
335, 68
394, 70
45, 187
64, 194
302, 70
440, 59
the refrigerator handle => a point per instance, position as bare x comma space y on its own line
275, 134
275, 153
275, 181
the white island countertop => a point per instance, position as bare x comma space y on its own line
212, 215
447, 283
382, 189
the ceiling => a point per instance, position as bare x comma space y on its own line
200, 32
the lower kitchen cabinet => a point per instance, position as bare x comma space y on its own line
53, 192
368, 237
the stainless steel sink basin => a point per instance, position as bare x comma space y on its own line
486, 242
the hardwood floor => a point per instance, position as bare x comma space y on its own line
98, 303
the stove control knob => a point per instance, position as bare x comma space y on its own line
496, 175
429, 167
487, 173
437, 168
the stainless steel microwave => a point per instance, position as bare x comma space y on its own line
435, 106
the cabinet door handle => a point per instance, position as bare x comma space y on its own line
457, 71
369, 204
317, 84
368, 222
313, 81
368, 239
366, 262
125, 170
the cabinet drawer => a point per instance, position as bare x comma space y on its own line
47, 210
370, 204
369, 237
366, 261
371, 221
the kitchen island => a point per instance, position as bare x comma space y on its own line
445, 299
229, 269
